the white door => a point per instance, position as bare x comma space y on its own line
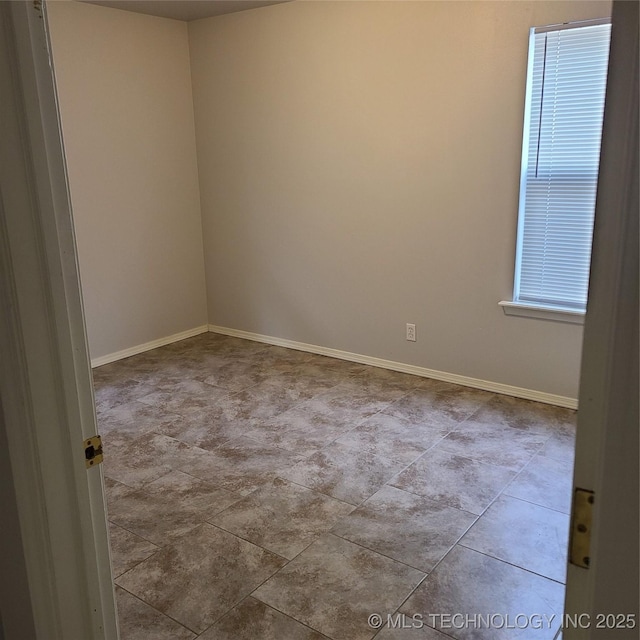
54, 559
603, 599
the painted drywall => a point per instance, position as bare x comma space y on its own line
359, 167
126, 107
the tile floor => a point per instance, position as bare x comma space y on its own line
259, 493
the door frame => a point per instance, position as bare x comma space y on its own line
58, 554
607, 436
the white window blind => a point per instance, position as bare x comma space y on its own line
561, 151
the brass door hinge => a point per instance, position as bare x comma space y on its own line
581, 516
93, 451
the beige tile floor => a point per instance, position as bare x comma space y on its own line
260, 493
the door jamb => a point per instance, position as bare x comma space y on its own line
45, 375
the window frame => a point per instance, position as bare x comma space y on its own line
516, 306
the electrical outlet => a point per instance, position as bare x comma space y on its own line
411, 332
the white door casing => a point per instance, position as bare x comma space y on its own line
607, 437
45, 377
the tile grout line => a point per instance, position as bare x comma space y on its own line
511, 564
196, 634
351, 378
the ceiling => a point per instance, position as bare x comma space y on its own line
185, 9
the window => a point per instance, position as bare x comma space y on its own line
564, 108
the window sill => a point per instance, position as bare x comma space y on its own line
558, 314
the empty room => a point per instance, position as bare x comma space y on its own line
334, 263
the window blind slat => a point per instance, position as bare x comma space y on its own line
563, 130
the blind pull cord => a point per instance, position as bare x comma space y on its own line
544, 78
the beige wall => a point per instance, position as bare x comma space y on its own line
359, 167
127, 115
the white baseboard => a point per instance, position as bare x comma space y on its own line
476, 383
147, 346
